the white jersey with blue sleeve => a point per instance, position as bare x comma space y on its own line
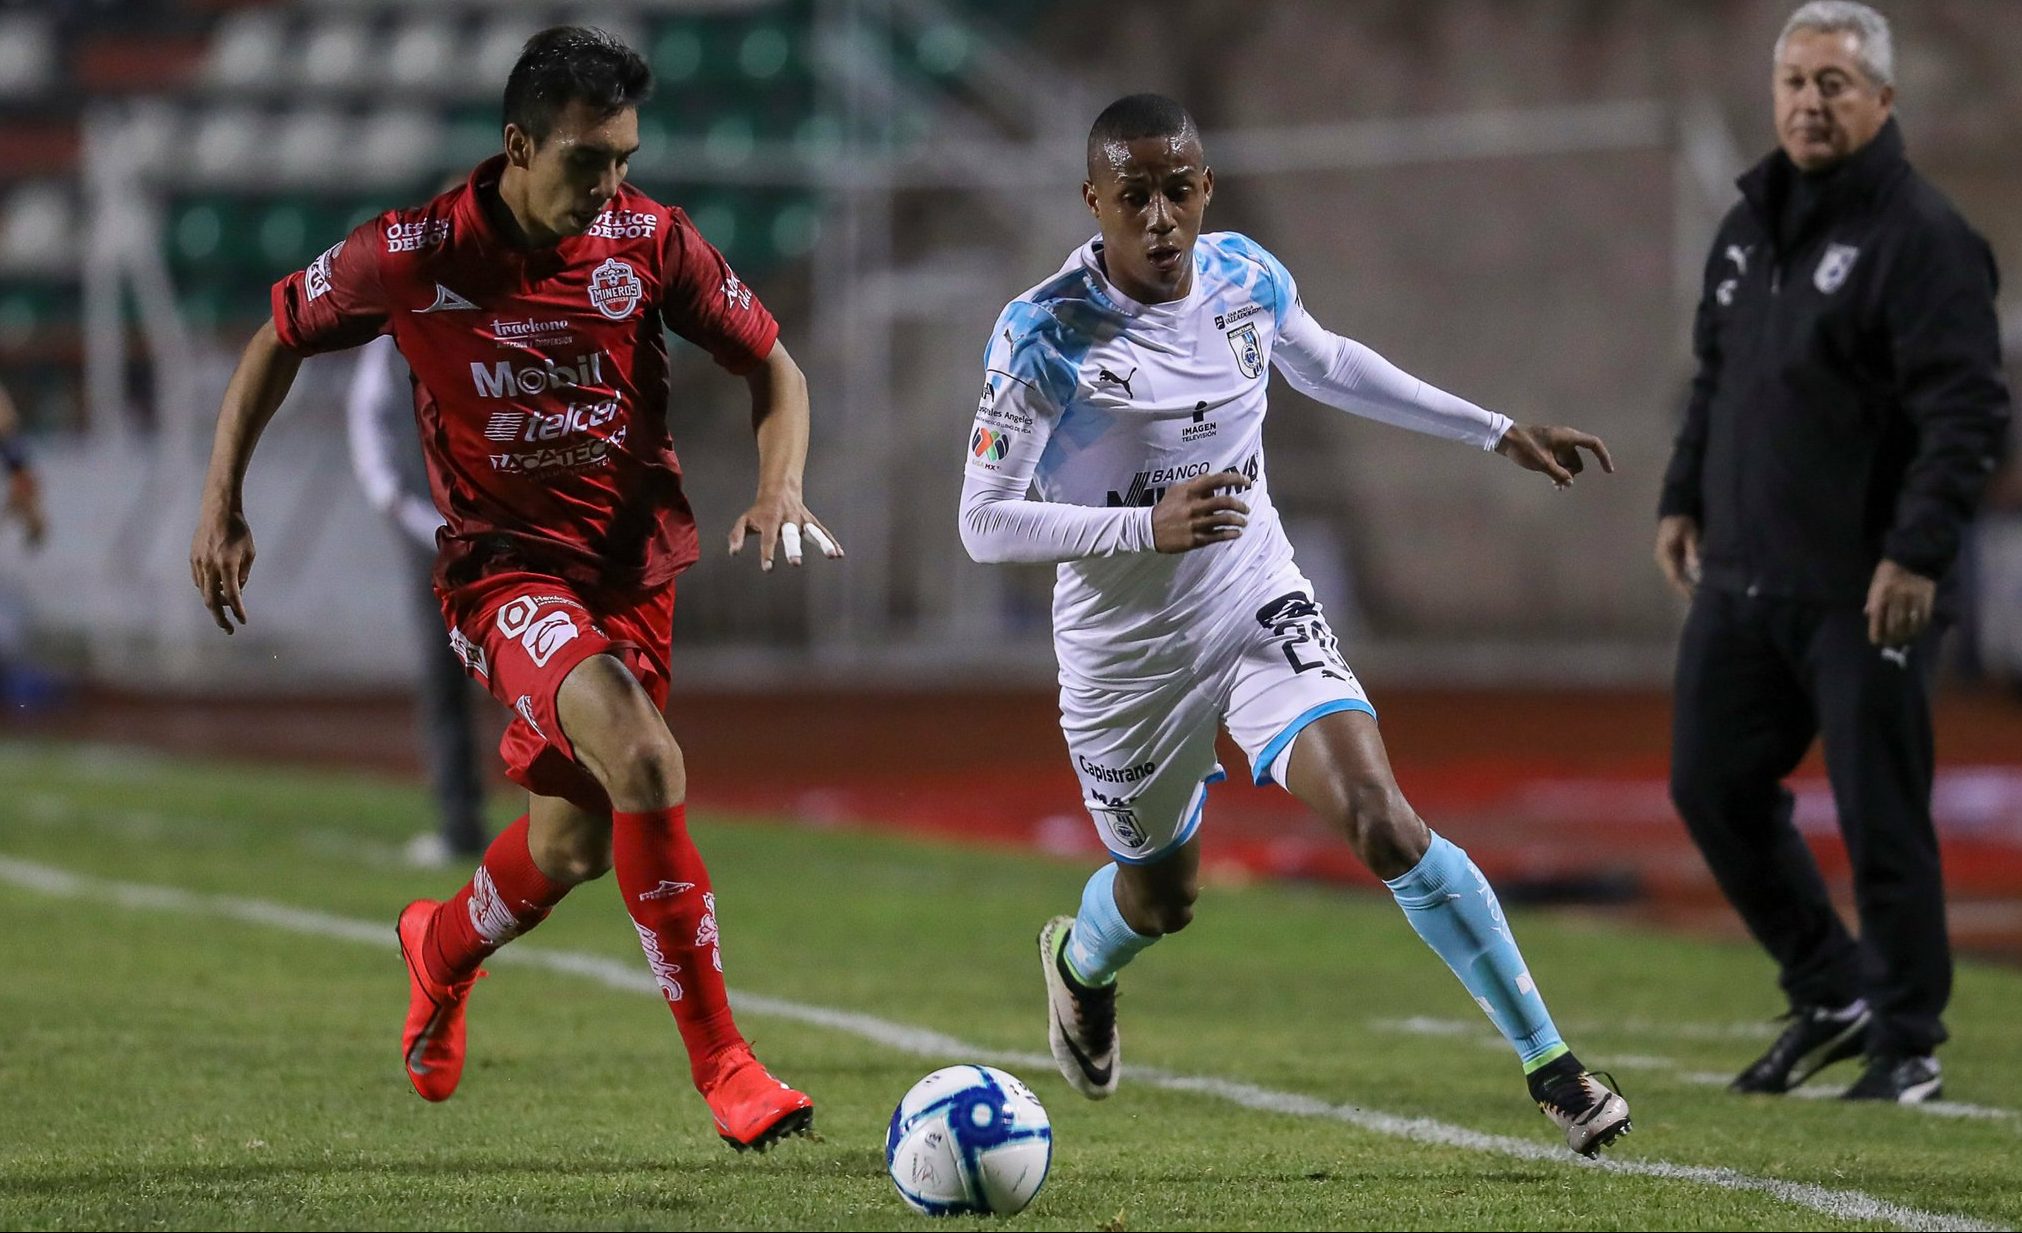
1093, 405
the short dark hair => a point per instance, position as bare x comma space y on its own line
565, 64
1134, 116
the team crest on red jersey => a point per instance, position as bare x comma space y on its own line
615, 289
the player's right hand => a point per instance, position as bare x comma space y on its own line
1678, 552
1198, 513
221, 557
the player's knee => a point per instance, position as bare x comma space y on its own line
1381, 826
646, 771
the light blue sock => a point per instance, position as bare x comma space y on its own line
1101, 942
1454, 909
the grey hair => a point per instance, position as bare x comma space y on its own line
1877, 51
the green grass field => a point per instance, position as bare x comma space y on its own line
193, 1055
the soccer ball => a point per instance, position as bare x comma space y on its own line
969, 1140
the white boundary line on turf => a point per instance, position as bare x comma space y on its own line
1473, 1033
1840, 1204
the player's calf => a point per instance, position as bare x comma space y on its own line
1370, 812
508, 894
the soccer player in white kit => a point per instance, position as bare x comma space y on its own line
1120, 434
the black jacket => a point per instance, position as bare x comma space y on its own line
1849, 402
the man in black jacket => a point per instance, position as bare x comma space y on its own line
1848, 408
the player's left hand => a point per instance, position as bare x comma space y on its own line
1899, 605
1553, 450
24, 503
780, 521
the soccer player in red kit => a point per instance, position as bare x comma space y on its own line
530, 304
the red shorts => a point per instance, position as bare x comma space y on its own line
521, 634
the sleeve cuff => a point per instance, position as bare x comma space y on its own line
284, 321
761, 347
1931, 564
1142, 537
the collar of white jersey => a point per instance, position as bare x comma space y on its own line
1171, 310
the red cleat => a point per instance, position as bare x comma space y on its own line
752, 1109
432, 1044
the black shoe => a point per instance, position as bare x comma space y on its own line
1590, 1113
1905, 1080
1816, 1038
1080, 1019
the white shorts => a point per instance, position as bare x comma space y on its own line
1146, 752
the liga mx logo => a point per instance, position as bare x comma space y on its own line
614, 289
990, 445
1249, 351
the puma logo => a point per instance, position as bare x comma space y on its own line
1104, 374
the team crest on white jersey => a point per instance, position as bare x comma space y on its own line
1249, 351
615, 289
1833, 268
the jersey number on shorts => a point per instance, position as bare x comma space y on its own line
1309, 645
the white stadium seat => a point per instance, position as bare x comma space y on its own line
420, 56
246, 50
231, 147
397, 146
38, 227
316, 147
497, 49
27, 53
335, 54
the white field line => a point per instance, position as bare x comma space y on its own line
1473, 1033
51, 810
1840, 1204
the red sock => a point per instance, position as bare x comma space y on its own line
507, 896
666, 889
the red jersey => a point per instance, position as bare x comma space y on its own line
540, 375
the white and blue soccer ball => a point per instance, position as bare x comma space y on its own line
969, 1140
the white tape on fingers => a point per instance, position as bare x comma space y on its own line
820, 539
789, 541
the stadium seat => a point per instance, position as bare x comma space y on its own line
420, 55
247, 50
231, 145
27, 54
38, 229
314, 146
397, 145
335, 53
495, 50
676, 54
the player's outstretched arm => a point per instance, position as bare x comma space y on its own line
1553, 450
221, 554
779, 419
